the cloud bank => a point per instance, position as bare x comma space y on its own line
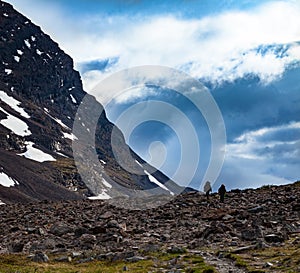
269, 155
218, 47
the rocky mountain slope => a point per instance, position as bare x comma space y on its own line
40, 93
249, 220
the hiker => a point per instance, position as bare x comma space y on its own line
207, 189
222, 191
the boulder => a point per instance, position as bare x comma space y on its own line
112, 224
15, 247
251, 234
40, 257
60, 229
256, 209
274, 238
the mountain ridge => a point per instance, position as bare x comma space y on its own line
46, 90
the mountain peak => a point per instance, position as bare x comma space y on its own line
40, 93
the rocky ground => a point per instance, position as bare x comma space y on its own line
248, 220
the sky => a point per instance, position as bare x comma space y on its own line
246, 53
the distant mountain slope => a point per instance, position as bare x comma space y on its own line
39, 96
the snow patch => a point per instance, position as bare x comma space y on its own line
62, 154
106, 184
36, 154
66, 135
5, 14
27, 43
39, 52
71, 88
57, 120
17, 58
33, 38
154, 180
13, 103
20, 52
73, 99
14, 124
7, 71
7, 181
70, 136
1, 203
103, 162
101, 196
61, 123
139, 163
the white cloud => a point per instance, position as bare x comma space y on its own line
264, 156
92, 78
252, 136
134, 94
246, 173
216, 47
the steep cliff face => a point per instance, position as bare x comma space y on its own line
40, 93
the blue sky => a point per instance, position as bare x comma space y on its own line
183, 8
246, 52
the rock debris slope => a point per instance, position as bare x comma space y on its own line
249, 219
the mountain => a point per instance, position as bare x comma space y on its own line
40, 93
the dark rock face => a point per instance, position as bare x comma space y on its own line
37, 73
